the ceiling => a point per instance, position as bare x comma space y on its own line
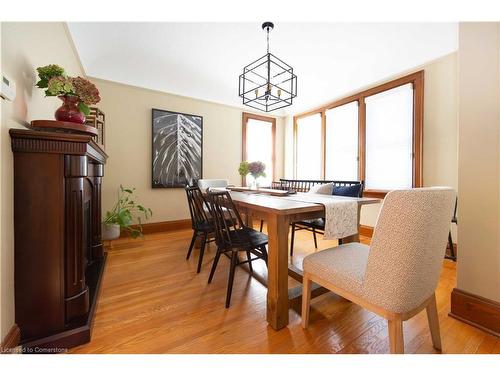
204, 60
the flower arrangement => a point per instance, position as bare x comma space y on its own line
254, 168
53, 78
257, 169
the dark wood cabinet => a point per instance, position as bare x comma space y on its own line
59, 258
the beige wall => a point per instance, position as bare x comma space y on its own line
440, 130
128, 143
479, 159
24, 46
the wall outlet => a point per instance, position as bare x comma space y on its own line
8, 88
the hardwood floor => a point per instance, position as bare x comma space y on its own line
152, 301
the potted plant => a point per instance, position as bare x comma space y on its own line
124, 213
254, 168
77, 93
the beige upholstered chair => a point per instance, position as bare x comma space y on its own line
397, 275
207, 183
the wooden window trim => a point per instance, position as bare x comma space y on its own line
244, 123
417, 80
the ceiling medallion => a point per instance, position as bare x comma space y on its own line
268, 83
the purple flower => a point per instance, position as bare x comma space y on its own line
257, 168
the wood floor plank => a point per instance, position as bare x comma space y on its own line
153, 301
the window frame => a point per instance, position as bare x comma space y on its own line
417, 80
244, 124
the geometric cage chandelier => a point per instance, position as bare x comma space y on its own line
268, 83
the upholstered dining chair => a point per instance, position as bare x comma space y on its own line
396, 276
206, 183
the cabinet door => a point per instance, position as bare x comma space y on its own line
76, 290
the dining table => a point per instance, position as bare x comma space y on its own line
279, 212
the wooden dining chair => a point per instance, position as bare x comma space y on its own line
233, 237
201, 221
397, 275
454, 220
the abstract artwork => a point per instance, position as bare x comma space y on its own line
177, 149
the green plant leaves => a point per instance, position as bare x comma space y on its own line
126, 210
84, 108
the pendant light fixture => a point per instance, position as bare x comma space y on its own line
268, 83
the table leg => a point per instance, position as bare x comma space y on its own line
277, 282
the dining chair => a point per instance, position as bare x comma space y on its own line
317, 226
397, 275
454, 220
206, 183
201, 221
233, 237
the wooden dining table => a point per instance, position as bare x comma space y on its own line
279, 212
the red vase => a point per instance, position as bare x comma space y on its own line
69, 110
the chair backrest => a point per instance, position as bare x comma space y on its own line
206, 183
407, 248
198, 207
226, 218
304, 185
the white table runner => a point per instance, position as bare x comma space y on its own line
341, 213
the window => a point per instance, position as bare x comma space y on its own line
308, 148
341, 143
389, 138
258, 144
374, 135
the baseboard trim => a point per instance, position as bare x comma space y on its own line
475, 310
11, 340
365, 230
162, 226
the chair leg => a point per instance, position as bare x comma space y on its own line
306, 300
432, 317
450, 245
214, 265
249, 257
315, 240
396, 341
234, 259
293, 238
202, 251
261, 225
192, 245
340, 241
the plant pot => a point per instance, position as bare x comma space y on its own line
69, 111
110, 232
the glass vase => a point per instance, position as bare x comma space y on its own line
254, 184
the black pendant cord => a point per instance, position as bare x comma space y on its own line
267, 40
268, 86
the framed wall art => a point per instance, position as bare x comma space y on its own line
177, 149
